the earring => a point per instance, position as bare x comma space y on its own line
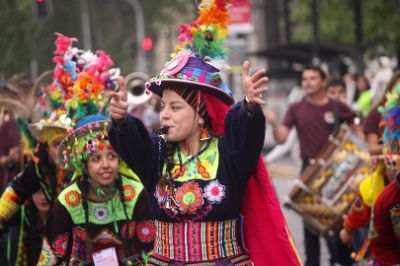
204, 134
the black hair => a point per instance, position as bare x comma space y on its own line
336, 82
47, 172
318, 69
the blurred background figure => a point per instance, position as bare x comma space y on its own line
381, 78
363, 97
14, 104
336, 90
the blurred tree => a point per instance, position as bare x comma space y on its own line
23, 36
380, 22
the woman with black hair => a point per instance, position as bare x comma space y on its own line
28, 197
40, 173
103, 216
22, 238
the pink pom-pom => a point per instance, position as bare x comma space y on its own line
63, 43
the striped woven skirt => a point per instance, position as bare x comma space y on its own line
199, 243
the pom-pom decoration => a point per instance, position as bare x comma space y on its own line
391, 124
206, 34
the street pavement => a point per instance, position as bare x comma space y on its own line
283, 175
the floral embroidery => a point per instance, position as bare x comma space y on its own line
178, 171
189, 197
100, 213
46, 255
72, 198
60, 245
129, 192
395, 218
131, 230
201, 169
78, 242
214, 192
145, 231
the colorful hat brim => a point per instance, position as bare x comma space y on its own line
70, 139
167, 83
39, 131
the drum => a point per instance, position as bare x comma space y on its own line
327, 188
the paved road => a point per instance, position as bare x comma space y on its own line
283, 174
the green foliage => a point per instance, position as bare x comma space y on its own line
380, 22
24, 36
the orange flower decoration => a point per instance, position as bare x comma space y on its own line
129, 192
72, 198
189, 197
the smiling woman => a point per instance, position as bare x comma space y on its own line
199, 166
104, 210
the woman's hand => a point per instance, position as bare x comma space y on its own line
254, 85
118, 103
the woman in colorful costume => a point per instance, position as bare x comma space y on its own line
105, 208
42, 172
385, 235
197, 170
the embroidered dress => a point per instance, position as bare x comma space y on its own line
25, 184
385, 245
69, 240
202, 225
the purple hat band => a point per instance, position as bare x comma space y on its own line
196, 69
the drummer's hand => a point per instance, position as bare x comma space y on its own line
118, 103
346, 237
254, 86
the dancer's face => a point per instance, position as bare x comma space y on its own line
53, 149
40, 202
179, 117
102, 166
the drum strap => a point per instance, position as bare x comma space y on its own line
336, 110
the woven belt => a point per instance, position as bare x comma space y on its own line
198, 241
238, 260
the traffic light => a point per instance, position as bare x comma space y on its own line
41, 8
147, 44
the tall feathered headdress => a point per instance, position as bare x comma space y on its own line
197, 61
80, 78
391, 124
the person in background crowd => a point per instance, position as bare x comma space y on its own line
371, 124
316, 111
22, 239
363, 99
381, 78
336, 90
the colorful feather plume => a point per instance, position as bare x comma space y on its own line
206, 34
29, 142
79, 79
391, 123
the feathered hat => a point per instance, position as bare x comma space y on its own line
391, 124
199, 55
80, 80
